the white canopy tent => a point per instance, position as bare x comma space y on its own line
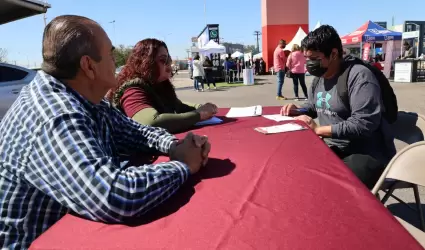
237, 54
299, 36
257, 56
247, 56
318, 24
212, 48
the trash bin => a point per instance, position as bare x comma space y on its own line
248, 77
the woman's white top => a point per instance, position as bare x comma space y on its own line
198, 70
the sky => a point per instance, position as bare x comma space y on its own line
176, 21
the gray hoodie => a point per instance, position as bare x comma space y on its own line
360, 129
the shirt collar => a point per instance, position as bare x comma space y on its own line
57, 84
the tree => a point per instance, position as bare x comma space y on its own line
3, 55
251, 48
121, 54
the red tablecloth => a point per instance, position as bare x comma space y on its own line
281, 191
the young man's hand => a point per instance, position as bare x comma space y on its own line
289, 110
308, 120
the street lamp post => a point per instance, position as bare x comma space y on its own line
113, 26
205, 11
188, 53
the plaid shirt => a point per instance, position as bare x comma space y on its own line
61, 153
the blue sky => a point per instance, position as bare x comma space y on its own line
177, 21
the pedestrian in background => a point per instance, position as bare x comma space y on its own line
296, 67
198, 74
279, 61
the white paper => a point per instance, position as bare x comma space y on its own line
279, 117
245, 112
289, 127
210, 121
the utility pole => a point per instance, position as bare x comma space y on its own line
257, 34
205, 11
188, 52
44, 14
45, 19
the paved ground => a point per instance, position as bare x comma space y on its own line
411, 97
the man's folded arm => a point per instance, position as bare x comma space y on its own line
75, 168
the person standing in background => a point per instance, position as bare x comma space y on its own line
257, 66
238, 68
409, 51
279, 61
241, 67
228, 65
262, 67
296, 65
208, 65
198, 73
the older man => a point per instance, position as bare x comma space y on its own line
62, 146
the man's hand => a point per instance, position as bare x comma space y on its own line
207, 111
289, 109
203, 143
308, 120
193, 150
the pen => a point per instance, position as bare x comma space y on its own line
302, 110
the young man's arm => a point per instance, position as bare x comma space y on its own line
365, 103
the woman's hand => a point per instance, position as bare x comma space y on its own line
207, 111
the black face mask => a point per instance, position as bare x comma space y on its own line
315, 68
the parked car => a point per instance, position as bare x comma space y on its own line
12, 79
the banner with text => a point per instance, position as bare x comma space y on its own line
366, 51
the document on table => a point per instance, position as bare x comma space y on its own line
245, 111
279, 117
289, 127
210, 121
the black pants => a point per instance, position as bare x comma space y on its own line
229, 76
299, 78
210, 79
365, 167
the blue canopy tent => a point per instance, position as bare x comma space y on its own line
370, 32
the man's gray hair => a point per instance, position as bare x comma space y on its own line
66, 39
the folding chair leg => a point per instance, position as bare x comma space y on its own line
404, 203
389, 193
419, 205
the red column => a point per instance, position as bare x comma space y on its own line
280, 19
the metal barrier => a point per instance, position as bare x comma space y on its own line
420, 71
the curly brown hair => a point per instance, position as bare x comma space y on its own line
140, 64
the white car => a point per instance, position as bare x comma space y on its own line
12, 79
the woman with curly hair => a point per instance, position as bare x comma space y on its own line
146, 94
